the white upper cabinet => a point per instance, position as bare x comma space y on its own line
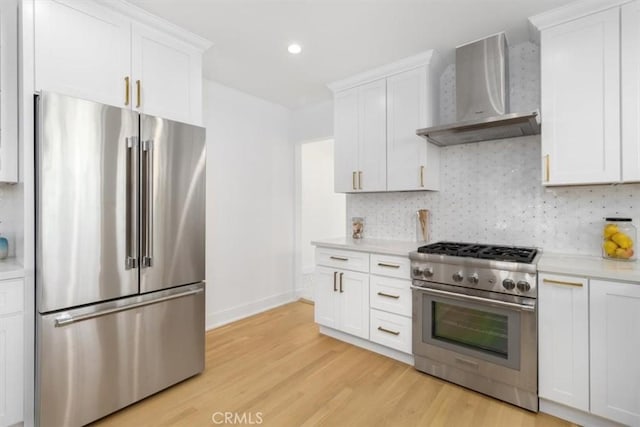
82, 49
412, 164
590, 66
372, 139
376, 115
580, 78
101, 52
167, 91
630, 73
615, 345
8, 91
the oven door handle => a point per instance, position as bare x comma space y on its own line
462, 297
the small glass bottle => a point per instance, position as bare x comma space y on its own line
619, 237
357, 226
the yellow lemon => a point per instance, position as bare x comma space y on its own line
610, 230
622, 240
624, 253
609, 247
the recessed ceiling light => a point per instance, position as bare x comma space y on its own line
294, 48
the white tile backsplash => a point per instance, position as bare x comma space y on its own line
491, 191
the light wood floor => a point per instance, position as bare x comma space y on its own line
277, 364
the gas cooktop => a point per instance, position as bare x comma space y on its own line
472, 250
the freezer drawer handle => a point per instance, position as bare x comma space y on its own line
64, 320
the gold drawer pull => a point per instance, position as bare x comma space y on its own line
380, 328
382, 294
126, 90
546, 162
384, 264
339, 258
138, 90
561, 282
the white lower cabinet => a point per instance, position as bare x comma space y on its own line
11, 351
342, 300
563, 339
588, 346
368, 296
615, 350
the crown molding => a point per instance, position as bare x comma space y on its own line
571, 11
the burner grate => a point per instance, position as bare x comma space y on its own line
491, 252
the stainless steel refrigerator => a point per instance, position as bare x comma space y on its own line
120, 257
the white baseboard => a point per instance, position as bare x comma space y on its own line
575, 416
232, 314
368, 345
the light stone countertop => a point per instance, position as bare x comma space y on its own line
378, 246
10, 269
590, 266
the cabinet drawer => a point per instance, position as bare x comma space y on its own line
11, 296
389, 294
391, 330
391, 265
347, 260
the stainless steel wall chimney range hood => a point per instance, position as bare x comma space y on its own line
482, 98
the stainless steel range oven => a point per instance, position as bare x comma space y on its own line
474, 318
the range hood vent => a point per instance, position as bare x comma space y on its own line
482, 98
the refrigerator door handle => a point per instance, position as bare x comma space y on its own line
67, 320
131, 203
147, 204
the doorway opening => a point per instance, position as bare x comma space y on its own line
322, 211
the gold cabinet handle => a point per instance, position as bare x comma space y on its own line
339, 258
359, 180
382, 294
334, 281
126, 90
389, 331
546, 168
562, 282
353, 180
384, 264
137, 93
421, 176
341, 274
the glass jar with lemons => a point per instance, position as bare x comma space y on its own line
619, 236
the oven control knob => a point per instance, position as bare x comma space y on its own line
428, 272
458, 276
524, 286
417, 271
473, 278
508, 284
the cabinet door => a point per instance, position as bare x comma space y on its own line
9, 91
372, 136
630, 73
325, 291
563, 340
346, 141
615, 345
408, 110
167, 76
353, 293
82, 50
11, 369
580, 73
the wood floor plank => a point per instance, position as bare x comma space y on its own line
277, 364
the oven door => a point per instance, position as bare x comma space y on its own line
476, 331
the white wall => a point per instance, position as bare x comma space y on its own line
313, 122
322, 211
250, 204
